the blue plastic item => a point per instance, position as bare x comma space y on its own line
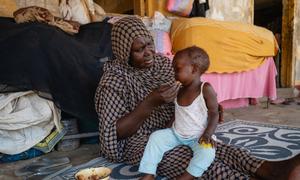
31, 153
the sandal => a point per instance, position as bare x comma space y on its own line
277, 101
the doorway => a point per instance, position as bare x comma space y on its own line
268, 14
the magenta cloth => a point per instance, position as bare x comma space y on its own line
234, 89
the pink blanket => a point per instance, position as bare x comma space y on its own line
234, 89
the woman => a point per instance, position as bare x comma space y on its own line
134, 98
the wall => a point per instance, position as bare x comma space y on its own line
287, 45
7, 7
231, 10
297, 43
290, 71
116, 6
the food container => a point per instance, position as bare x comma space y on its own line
99, 173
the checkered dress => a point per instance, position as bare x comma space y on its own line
119, 91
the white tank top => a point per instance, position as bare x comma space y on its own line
191, 121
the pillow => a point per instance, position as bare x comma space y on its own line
160, 22
159, 26
7, 7
180, 7
162, 42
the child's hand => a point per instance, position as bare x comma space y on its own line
207, 139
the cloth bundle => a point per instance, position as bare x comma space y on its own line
34, 13
25, 120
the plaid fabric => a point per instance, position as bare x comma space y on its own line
119, 91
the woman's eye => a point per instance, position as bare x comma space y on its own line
138, 49
150, 45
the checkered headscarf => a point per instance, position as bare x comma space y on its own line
124, 32
122, 87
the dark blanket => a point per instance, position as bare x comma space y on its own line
43, 58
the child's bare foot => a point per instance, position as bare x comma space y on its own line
147, 177
282, 170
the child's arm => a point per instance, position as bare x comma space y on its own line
212, 112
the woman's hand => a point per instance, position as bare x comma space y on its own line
163, 94
131, 122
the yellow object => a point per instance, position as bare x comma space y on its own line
231, 46
205, 145
7, 7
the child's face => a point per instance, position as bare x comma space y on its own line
183, 69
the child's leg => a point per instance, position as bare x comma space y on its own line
202, 159
159, 142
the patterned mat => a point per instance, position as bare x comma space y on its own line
267, 141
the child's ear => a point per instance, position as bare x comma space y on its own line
195, 68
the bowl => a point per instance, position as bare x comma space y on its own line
99, 173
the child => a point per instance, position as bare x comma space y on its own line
196, 117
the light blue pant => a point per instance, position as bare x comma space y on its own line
166, 139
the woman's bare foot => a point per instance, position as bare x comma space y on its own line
295, 172
280, 170
185, 176
147, 177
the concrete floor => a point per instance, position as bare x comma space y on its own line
274, 114
268, 113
